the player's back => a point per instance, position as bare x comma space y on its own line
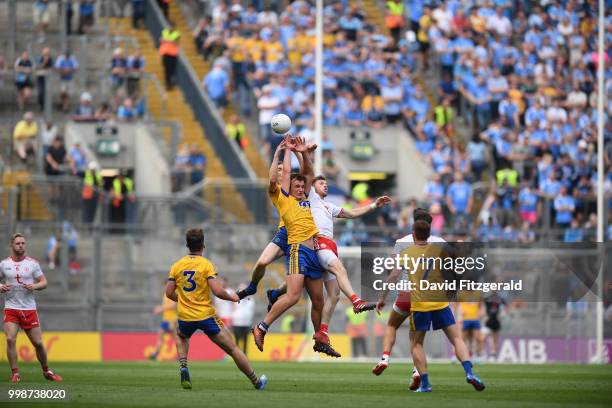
429, 269
191, 274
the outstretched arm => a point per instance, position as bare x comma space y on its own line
383, 295
286, 175
361, 211
273, 174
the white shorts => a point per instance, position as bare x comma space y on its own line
41, 16
326, 257
328, 276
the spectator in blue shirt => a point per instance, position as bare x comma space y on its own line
573, 233
197, 164
216, 84
67, 65
564, 205
498, 87
126, 111
354, 116
138, 13
118, 68
86, 15
135, 70
459, 197
434, 190
528, 205
480, 97
423, 144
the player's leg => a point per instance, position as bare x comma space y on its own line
333, 296
274, 294
224, 340
35, 336
393, 324
270, 253
463, 355
336, 267
160, 341
295, 283
479, 338
10, 331
419, 358
314, 288
184, 332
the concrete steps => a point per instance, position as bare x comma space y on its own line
178, 110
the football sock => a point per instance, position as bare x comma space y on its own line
262, 326
354, 298
15, 370
385, 356
183, 362
253, 377
251, 289
45, 368
275, 293
425, 380
324, 328
467, 367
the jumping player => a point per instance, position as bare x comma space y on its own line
22, 276
168, 324
401, 306
190, 282
303, 268
429, 308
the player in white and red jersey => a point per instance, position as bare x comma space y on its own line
21, 276
401, 306
335, 277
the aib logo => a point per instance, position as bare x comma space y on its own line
305, 203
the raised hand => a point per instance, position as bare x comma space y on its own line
383, 200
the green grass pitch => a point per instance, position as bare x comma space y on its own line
294, 385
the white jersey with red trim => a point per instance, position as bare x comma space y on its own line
408, 240
323, 213
16, 274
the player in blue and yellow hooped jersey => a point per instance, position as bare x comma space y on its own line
430, 308
303, 268
190, 283
278, 246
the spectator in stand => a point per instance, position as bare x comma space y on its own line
43, 70
66, 65
47, 135
23, 78
354, 116
564, 205
103, 113
118, 69
528, 204
477, 153
25, 137
459, 199
180, 169
197, 164
77, 159
268, 105
69, 15
169, 50
329, 168
135, 71
526, 234
138, 13
85, 111
434, 189
574, 233
236, 130
41, 18
55, 157
87, 9
126, 112
216, 84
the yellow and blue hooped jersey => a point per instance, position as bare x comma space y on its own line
191, 274
297, 218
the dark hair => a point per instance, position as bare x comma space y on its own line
421, 214
319, 177
297, 176
421, 230
15, 236
195, 239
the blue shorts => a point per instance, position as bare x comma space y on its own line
304, 261
280, 240
209, 326
471, 325
166, 326
439, 319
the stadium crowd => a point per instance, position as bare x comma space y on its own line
517, 75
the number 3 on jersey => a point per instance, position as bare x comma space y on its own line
190, 281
